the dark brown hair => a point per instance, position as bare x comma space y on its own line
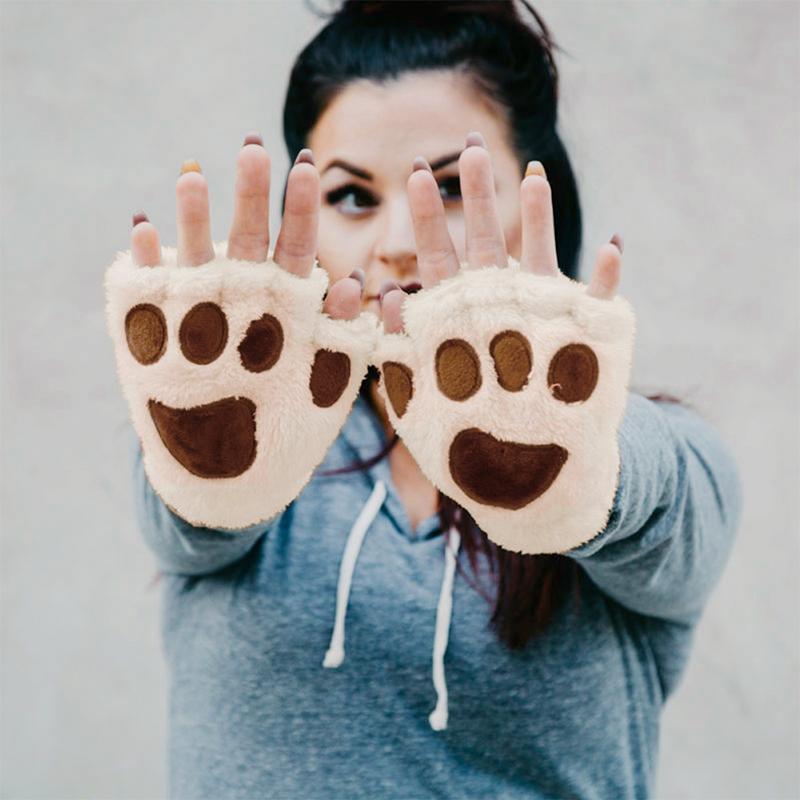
512, 63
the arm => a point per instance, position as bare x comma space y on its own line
179, 546
676, 511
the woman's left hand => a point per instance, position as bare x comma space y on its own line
508, 383
485, 242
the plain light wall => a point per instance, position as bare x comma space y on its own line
682, 123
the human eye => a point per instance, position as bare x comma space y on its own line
450, 188
351, 199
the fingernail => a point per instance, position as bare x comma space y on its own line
412, 288
535, 168
190, 165
138, 217
386, 287
253, 138
358, 274
616, 239
475, 139
305, 156
420, 163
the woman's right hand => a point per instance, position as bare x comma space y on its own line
249, 238
239, 369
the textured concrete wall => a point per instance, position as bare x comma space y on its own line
682, 121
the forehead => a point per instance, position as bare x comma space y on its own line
385, 125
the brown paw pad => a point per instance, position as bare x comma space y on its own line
399, 383
216, 440
513, 359
499, 473
261, 347
573, 373
203, 333
146, 333
330, 375
458, 369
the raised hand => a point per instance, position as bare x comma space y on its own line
237, 372
507, 380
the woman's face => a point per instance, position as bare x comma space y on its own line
364, 144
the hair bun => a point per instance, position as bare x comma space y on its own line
407, 8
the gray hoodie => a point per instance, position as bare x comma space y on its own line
333, 652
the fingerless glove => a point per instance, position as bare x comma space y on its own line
236, 381
508, 388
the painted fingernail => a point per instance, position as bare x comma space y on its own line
253, 138
475, 139
386, 287
616, 239
138, 217
358, 274
190, 165
535, 168
305, 156
421, 163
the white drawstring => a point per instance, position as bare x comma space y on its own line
335, 654
438, 717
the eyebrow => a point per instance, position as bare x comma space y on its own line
368, 176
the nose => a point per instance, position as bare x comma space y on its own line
395, 251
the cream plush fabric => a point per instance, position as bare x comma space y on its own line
473, 306
292, 432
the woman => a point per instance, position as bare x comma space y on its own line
557, 666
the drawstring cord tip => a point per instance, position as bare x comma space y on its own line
334, 657
438, 719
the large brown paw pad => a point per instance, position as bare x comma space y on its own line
504, 474
216, 440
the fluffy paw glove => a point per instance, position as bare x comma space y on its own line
508, 389
237, 382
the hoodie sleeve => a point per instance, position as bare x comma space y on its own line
675, 515
180, 547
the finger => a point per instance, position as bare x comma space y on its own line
485, 243
249, 236
296, 247
538, 229
194, 220
145, 244
607, 267
391, 308
344, 298
436, 255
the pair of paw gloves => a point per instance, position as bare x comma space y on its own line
507, 387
